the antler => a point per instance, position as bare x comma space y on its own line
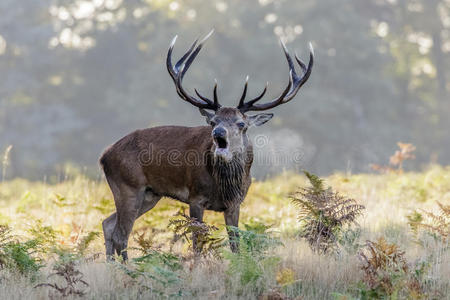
178, 71
295, 83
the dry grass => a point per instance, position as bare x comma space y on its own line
74, 208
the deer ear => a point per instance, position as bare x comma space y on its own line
259, 119
206, 114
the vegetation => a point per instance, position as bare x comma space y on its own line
391, 252
324, 214
386, 272
437, 224
186, 227
405, 152
253, 268
66, 268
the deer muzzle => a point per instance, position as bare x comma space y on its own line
219, 135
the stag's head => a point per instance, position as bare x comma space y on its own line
229, 124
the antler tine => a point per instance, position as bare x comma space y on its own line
194, 54
275, 102
200, 96
177, 73
301, 63
173, 71
288, 58
186, 55
169, 58
306, 73
216, 99
294, 85
254, 100
244, 93
242, 103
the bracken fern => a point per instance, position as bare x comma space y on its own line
437, 224
323, 213
255, 258
186, 227
386, 272
18, 255
66, 268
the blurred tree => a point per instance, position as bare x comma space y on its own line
82, 73
418, 34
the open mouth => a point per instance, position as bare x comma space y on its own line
221, 142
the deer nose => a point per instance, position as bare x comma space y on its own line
219, 132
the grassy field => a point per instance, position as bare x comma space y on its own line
56, 229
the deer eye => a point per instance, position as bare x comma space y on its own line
212, 123
240, 124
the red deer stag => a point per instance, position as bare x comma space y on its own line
207, 167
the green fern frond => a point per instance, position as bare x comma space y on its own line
84, 243
323, 214
316, 182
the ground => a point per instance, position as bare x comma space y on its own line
66, 218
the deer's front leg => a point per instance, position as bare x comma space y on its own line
196, 212
232, 219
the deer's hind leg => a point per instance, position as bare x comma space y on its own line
131, 203
108, 229
128, 199
109, 224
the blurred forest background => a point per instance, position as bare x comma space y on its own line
79, 74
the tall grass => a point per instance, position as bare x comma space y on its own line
274, 261
5, 161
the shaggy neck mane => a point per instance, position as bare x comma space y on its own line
229, 178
